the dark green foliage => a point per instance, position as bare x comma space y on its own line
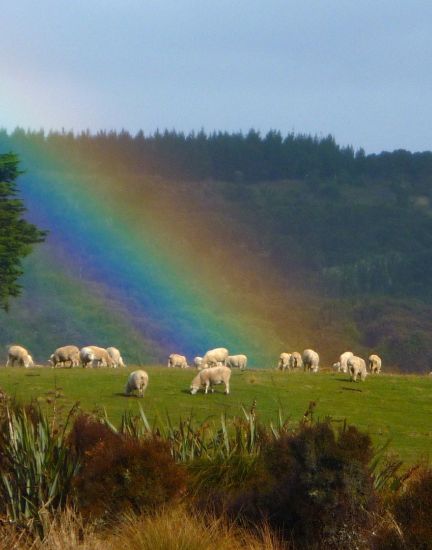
319, 491
16, 235
121, 473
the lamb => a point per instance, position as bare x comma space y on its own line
137, 381
197, 362
310, 360
18, 354
116, 357
296, 360
356, 367
65, 354
374, 364
337, 366
98, 357
213, 357
210, 377
343, 360
284, 361
237, 362
176, 360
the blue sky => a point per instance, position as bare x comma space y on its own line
358, 70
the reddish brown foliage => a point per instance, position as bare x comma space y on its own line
120, 473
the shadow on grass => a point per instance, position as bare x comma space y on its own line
351, 389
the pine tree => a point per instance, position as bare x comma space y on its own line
17, 236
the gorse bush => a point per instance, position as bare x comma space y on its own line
318, 489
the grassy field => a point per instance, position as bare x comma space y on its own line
395, 407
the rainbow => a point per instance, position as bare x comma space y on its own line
165, 272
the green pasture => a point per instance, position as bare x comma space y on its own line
395, 407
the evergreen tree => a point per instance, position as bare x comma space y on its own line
16, 235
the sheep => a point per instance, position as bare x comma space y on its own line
138, 380
176, 360
356, 367
116, 357
237, 362
284, 361
210, 377
343, 360
197, 362
337, 366
98, 357
374, 364
65, 354
296, 360
213, 357
18, 354
310, 360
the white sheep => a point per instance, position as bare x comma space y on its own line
176, 360
137, 381
210, 377
357, 367
343, 360
310, 360
295, 361
197, 362
374, 364
237, 361
98, 357
116, 357
284, 361
63, 355
19, 355
336, 366
213, 357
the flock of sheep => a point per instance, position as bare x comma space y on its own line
348, 362
213, 368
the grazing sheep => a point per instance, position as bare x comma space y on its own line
284, 361
213, 357
98, 357
237, 362
18, 354
374, 364
197, 362
343, 359
138, 380
356, 367
336, 366
116, 357
310, 360
176, 360
210, 377
65, 354
296, 360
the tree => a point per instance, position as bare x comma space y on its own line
17, 236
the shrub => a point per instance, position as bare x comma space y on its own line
120, 472
410, 524
319, 489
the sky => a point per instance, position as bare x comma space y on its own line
360, 71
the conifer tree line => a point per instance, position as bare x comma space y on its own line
248, 157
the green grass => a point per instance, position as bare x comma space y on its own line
395, 407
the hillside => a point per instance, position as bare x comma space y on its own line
180, 243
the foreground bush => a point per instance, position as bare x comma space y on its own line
318, 489
408, 521
36, 467
120, 473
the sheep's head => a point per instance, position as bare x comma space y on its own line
194, 389
28, 361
